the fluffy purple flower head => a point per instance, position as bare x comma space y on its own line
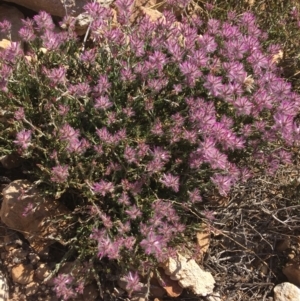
130, 154
62, 286
78, 146
26, 34
103, 187
88, 56
124, 228
153, 244
95, 10
243, 106
157, 60
133, 212
160, 154
108, 247
23, 139
195, 196
80, 90
124, 4
103, 103
5, 27
125, 9
51, 40
103, 85
56, 75
137, 45
67, 133
59, 174
190, 71
44, 21
223, 183
157, 128
208, 43
63, 110
133, 283
170, 181
80, 288
124, 199
11, 53
106, 220
214, 85
19, 114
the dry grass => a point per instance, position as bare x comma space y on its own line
245, 258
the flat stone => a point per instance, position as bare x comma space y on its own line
189, 275
36, 225
22, 274
286, 292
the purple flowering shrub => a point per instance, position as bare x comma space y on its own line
144, 120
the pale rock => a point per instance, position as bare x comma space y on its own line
14, 16
4, 43
141, 7
153, 14
22, 274
57, 7
82, 22
35, 226
31, 288
189, 275
172, 287
43, 50
4, 289
286, 292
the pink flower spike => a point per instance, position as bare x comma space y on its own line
133, 282
5, 26
134, 212
19, 114
23, 139
170, 181
103, 187
153, 244
60, 174
223, 183
102, 103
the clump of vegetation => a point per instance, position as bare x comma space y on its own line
141, 123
